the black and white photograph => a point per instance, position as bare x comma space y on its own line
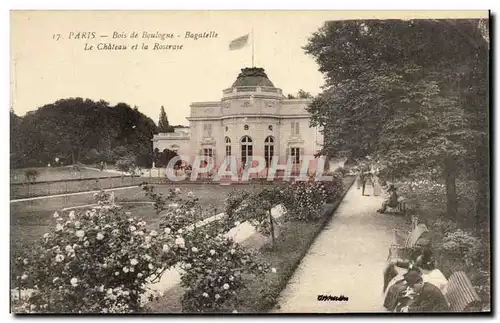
250, 162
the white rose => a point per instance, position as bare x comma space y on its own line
212, 252
125, 269
46, 235
150, 266
217, 296
110, 291
56, 215
165, 248
153, 233
59, 258
180, 231
187, 266
232, 251
59, 227
74, 282
205, 295
72, 215
231, 278
101, 288
132, 228
24, 276
100, 236
139, 275
273, 270
80, 233
225, 286
180, 242
86, 244
194, 249
168, 230
134, 262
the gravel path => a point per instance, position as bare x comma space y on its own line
347, 259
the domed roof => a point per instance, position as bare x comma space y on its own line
252, 76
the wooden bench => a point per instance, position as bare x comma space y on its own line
401, 208
461, 295
405, 241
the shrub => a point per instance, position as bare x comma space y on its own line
214, 271
94, 261
304, 200
342, 171
125, 164
214, 267
335, 187
31, 175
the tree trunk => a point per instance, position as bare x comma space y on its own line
450, 173
482, 178
272, 229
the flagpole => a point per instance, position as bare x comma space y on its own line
253, 49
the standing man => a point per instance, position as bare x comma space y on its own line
364, 176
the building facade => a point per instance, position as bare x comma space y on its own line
253, 118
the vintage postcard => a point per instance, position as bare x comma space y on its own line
249, 162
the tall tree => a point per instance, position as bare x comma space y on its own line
412, 92
70, 129
163, 124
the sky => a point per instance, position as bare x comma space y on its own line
44, 69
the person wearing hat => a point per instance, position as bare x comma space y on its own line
392, 201
431, 274
425, 297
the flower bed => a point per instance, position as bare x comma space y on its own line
296, 237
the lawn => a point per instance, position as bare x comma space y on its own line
58, 173
31, 219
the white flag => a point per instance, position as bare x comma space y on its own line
238, 43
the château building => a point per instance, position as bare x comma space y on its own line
253, 118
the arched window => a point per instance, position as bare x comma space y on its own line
268, 150
246, 149
228, 146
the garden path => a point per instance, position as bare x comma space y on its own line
346, 259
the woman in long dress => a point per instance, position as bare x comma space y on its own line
377, 189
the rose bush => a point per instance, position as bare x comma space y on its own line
214, 267
304, 200
94, 261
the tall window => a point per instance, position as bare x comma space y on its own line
268, 150
295, 154
228, 147
295, 128
246, 149
209, 153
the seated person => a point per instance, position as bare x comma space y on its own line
393, 294
427, 297
430, 274
392, 201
